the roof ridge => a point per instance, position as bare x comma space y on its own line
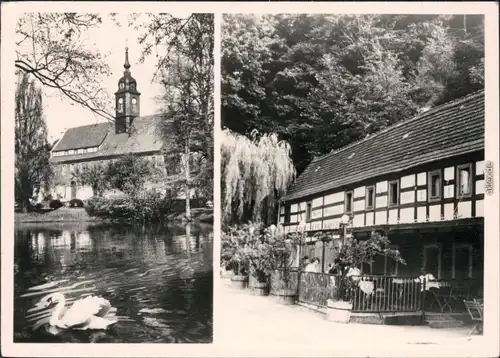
396, 125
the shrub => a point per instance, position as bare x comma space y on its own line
55, 204
76, 203
148, 207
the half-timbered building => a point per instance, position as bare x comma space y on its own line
420, 181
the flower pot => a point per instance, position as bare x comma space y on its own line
239, 281
286, 296
260, 288
226, 274
338, 311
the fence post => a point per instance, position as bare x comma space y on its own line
323, 257
424, 293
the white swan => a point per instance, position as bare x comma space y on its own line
86, 313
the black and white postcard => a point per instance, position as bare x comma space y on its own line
252, 179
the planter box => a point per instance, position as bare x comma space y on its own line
338, 311
239, 281
259, 288
286, 296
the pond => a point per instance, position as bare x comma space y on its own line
159, 279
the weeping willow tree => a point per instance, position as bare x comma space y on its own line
255, 173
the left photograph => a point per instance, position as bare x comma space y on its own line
114, 178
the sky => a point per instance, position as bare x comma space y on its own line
61, 113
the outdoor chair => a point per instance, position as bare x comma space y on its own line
458, 291
475, 310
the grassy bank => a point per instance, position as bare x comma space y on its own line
60, 215
65, 214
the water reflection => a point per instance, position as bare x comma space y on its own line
158, 278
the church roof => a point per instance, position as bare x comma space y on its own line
144, 138
449, 130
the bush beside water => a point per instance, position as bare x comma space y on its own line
55, 204
76, 203
150, 207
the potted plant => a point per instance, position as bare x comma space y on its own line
351, 255
228, 250
236, 245
261, 259
283, 247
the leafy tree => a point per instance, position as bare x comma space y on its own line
94, 175
32, 169
355, 253
255, 174
129, 174
321, 82
48, 46
185, 69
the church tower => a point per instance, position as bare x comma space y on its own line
127, 100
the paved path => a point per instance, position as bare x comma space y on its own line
250, 320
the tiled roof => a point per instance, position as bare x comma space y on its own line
143, 139
454, 128
83, 137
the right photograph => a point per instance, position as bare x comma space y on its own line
352, 176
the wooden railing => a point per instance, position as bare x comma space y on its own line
278, 282
386, 294
367, 293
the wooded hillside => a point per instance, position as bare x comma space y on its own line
323, 81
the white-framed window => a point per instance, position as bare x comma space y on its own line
432, 259
308, 211
349, 202
464, 180
134, 104
434, 185
461, 261
120, 104
370, 197
394, 193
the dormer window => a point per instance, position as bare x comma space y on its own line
122, 85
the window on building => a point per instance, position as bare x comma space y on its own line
287, 214
435, 185
464, 177
393, 193
120, 105
370, 197
308, 211
134, 104
391, 266
462, 261
349, 202
432, 260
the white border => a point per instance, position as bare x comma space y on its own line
488, 345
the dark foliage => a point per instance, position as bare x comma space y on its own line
323, 81
56, 204
76, 203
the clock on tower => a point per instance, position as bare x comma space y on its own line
127, 100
